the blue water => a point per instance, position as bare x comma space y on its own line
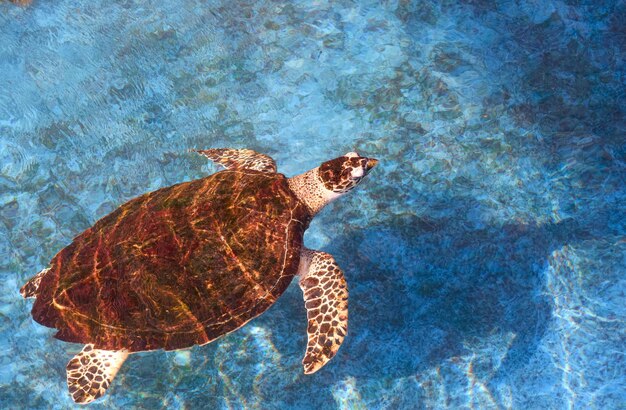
486, 255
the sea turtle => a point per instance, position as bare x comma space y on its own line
187, 264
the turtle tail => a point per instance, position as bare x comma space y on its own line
29, 290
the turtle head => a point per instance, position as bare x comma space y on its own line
321, 185
341, 174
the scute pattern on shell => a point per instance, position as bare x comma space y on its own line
179, 266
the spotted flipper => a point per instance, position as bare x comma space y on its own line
326, 301
91, 371
21, 2
240, 159
29, 290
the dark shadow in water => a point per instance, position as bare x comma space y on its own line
421, 289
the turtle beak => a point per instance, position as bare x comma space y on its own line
371, 163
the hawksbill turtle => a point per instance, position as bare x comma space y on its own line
187, 264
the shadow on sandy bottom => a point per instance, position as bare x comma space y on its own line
425, 291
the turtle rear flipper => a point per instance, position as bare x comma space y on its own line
91, 371
326, 301
29, 290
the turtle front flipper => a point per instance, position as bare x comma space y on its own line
240, 159
91, 371
21, 2
326, 301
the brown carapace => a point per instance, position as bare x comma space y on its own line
177, 267
187, 264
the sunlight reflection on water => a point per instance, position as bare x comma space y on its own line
485, 255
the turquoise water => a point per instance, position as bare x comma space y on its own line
485, 256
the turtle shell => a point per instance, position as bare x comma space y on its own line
177, 267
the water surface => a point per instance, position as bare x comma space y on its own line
485, 255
